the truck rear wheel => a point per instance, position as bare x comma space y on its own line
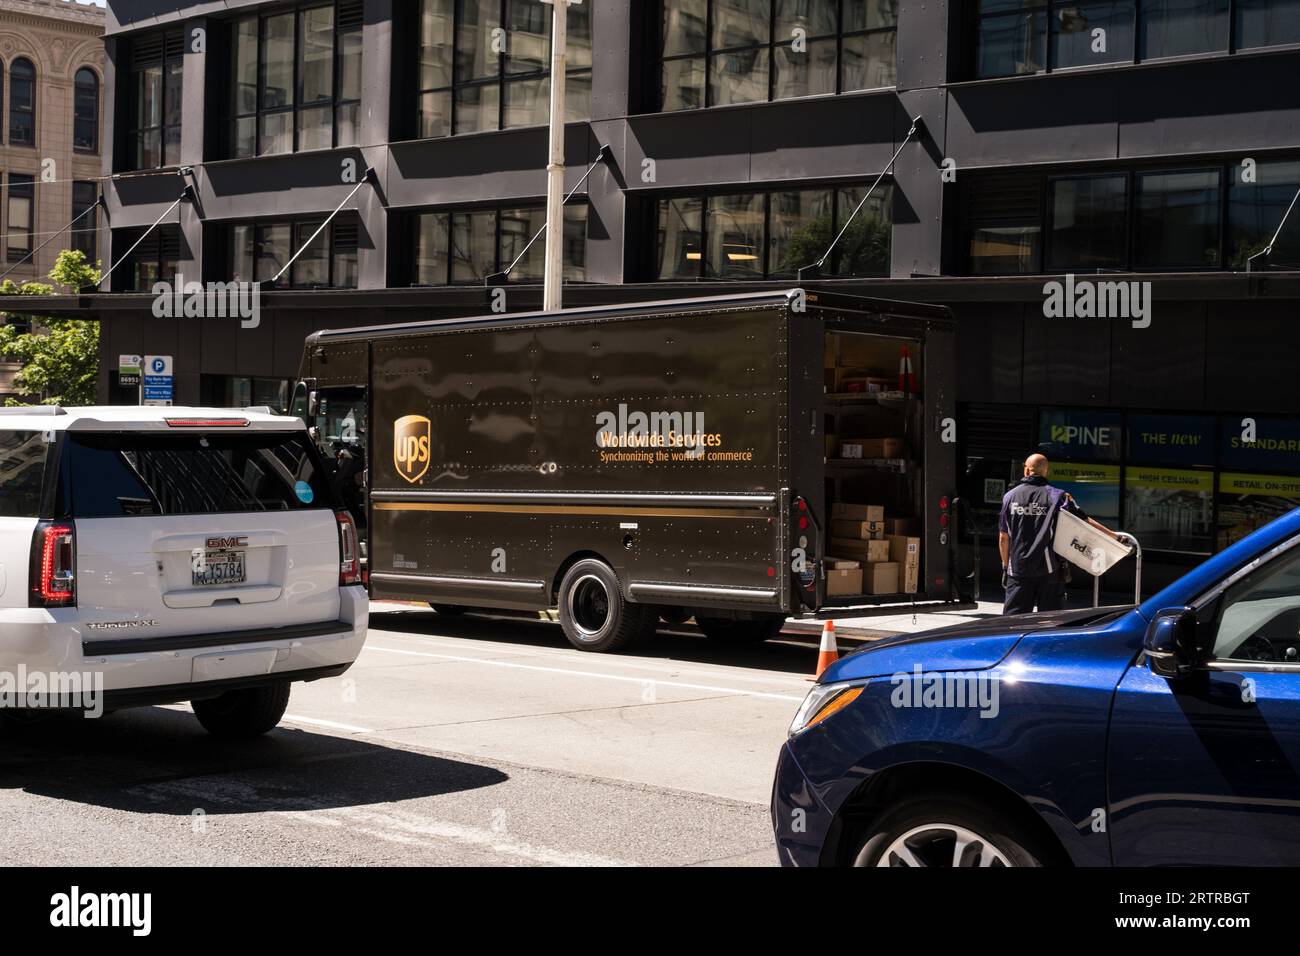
239, 714
736, 631
593, 613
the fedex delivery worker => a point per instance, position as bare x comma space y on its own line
1032, 573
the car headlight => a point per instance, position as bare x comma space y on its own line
824, 700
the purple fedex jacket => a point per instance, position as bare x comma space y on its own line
1029, 513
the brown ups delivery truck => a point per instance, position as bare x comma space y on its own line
736, 459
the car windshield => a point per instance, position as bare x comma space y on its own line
114, 475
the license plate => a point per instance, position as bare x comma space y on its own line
220, 568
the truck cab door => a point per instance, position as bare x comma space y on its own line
1205, 768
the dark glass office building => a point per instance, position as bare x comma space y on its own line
1133, 157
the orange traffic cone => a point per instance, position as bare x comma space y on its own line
829, 653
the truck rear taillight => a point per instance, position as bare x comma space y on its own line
349, 551
53, 566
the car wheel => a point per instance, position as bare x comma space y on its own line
593, 612
734, 631
943, 832
240, 714
449, 610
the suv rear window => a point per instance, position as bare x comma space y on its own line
22, 473
115, 475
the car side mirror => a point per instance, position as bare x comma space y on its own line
1170, 643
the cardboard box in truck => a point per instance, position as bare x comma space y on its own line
880, 578
866, 530
843, 581
847, 511
861, 549
905, 551
871, 448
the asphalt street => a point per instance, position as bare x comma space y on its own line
452, 741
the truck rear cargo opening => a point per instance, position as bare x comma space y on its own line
736, 459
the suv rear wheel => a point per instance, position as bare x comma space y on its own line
240, 714
940, 831
593, 612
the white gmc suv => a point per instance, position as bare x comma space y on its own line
172, 554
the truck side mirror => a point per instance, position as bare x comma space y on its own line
313, 404
1170, 643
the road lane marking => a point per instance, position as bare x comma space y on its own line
713, 688
657, 665
332, 724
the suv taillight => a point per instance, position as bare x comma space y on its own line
53, 567
349, 551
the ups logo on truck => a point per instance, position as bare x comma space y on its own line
411, 451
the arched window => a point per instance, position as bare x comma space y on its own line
85, 111
22, 103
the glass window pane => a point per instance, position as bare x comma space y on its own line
316, 128
805, 74
241, 256
245, 137
1073, 39
272, 250
174, 103
20, 216
435, 114
316, 55
148, 149
244, 67
312, 265
1011, 44
529, 24
1267, 22
873, 14
276, 133
869, 61
1089, 220
1170, 509
83, 235
345, 268
528, 102
816, 18
277, 61
864, 250
480, 41
578, 48
350, 64
1004, 250
347, 124
473, 246
517, 227
478, 108
683, 85
680, 249
436, 48
431, 249
683, 27
1178, 27
740, 23
800, 230
735, 237
575, 243
171, 146
1254, 211
148, 97
577, 98
738, 77
1178, 219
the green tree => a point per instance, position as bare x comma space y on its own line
59, 357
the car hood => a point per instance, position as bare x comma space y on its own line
973, 645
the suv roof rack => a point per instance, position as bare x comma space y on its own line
32, 410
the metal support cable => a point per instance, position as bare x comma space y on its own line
365, 178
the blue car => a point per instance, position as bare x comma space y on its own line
1166, 734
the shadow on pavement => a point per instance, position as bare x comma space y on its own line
157, 760
792, 653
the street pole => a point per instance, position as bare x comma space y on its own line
552, 291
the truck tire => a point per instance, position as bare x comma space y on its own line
593, 613
240, 714
735, 631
